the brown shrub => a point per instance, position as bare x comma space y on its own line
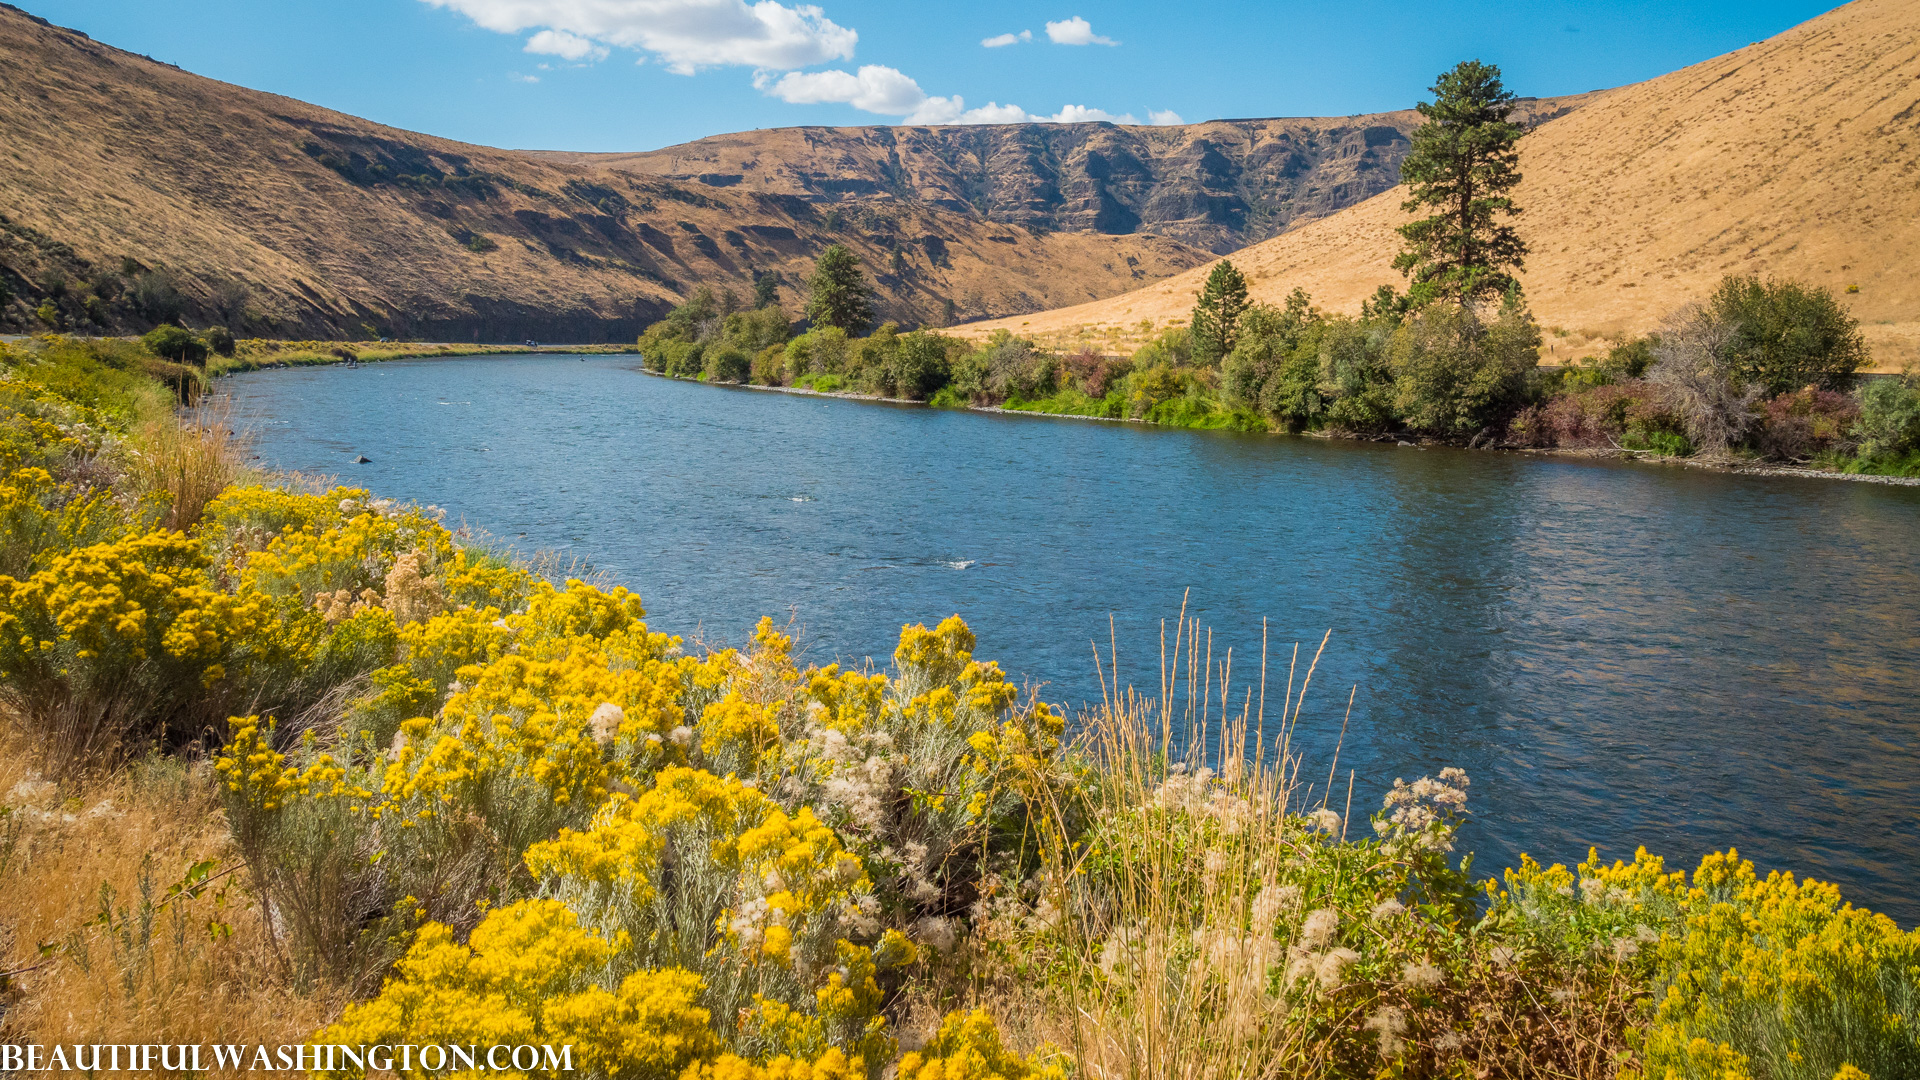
1796, 426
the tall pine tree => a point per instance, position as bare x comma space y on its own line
1464, 161
1215, 326
838, 292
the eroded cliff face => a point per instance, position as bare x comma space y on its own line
1219, 185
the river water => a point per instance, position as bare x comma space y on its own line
1617, 654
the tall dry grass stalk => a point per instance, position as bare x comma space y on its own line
1158, 975
185, 462
95, 946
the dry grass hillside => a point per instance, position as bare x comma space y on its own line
131, 190
1220, 185
1796, 157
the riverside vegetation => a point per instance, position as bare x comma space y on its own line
287, 763
1758, 371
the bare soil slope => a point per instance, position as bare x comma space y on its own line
1796, 157
1220, 185
280, 218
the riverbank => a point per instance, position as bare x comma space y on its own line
1735, 466
255, 354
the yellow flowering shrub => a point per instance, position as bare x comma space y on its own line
532, 974
1773, 977
830, 1065
967, 1047
40, 517
128, 637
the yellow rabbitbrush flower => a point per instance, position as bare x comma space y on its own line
967, 1047
40, 518
831, 1065
1777, 978
252, 769
532, 974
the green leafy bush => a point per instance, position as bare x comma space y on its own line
1787, 335
1457, 376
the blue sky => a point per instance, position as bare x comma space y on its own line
639, 74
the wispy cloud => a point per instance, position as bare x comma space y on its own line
1163, 117
684, 35
1001, 40
1075, 31
517, 77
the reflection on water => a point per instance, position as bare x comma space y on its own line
1617, 654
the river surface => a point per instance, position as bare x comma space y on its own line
1617, 654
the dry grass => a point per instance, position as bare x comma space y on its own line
1644, 199
186, 463
197, 968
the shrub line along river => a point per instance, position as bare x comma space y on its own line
1618, 655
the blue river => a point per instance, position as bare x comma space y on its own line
1618, 654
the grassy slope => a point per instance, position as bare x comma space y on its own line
1793, 157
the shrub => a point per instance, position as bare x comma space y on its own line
1696, 372
919, 367
770, 366
118, 646
1889, 422
1015, 369
1628, 414
726, 363
1356, 378
1455, 376
175, 344
1806, 423
218, 339
822, 351
1786, 335
1148, 389
154, 294
1092, 373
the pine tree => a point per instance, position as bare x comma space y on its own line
1464, 161
1216, 317
766, 289
839, 293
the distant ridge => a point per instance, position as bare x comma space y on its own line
285, 219
1219, 185
1798, 156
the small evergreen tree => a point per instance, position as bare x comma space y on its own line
838, 292
1216, 317
766, 289
1464, 161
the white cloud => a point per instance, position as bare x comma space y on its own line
876, 89
566, 46
684, 34
1076, 31
1081, 114
1163, 117
999, 40
517, 77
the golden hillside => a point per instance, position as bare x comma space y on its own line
1796, 157
284, 219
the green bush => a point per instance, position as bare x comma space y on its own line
1456, 376
1787, 335
770, 366
175, 344
918, 368
726, 363
1889, 423
822, 351
218, 339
